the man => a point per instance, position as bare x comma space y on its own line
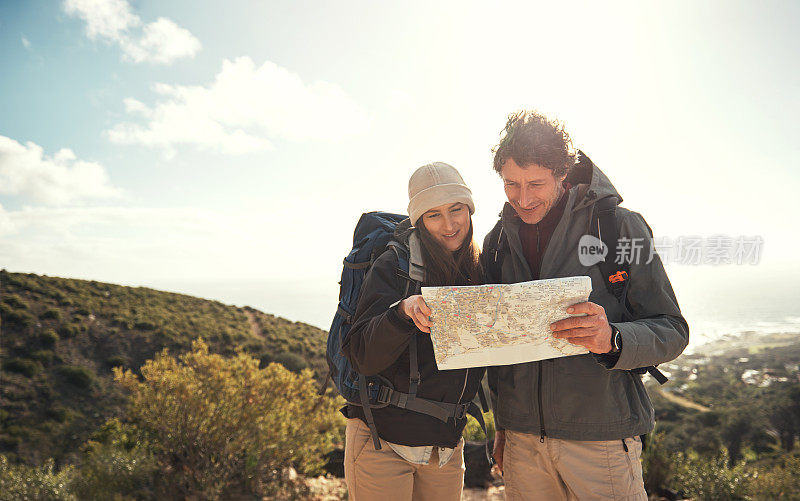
569, 427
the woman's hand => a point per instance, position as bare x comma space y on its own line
415, 308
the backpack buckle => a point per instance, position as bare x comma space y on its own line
461, 411
384, 395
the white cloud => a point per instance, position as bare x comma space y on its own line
57, 180
241, 110
160, 42
108, 19
26, 43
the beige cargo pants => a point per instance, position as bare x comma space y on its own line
570, 469
383, 475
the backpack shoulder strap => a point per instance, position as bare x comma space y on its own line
403, 266
493, 253
614, 273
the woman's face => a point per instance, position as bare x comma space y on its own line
448, 224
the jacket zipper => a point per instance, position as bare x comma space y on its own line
539, 383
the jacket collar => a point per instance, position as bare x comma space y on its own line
408, 236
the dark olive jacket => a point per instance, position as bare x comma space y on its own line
577, 397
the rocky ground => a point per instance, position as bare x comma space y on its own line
333, 489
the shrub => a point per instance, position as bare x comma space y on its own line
473, 430
121, 321
43, 356
78, 376
15, 301
23, 366
51, 313
118, 361
658, 467
109, 472
58, 414
48, 338
222, 425
145, 325
291, 361
27, 482
67, 331
9, 443
15, 317
781, 482
711, 478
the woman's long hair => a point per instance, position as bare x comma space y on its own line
442, 267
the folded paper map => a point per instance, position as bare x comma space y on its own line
502, 324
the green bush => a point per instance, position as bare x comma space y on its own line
51, 313
24, 366
78, 376
711, 478
473, 430
19, 482
780, 482
15, 301
43, 356
9, 443
222, 425
48, 338
121, 321
117, 361
68, 330
291, 361
145, 325
58, 414
658, 466
109, 472
20, 318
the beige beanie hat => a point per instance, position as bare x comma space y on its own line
433, 185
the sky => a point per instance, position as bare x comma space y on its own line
227, 150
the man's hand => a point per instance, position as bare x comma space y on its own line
499, 447
415, 308
590, 331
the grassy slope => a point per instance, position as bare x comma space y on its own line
60, 338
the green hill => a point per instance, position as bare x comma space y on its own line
60, 338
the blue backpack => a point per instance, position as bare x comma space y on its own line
373, 235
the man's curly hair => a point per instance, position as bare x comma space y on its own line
529, 138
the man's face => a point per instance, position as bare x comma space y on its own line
532, 191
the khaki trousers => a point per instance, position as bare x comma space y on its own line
384, 476
570, 469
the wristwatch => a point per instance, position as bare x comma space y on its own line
616, 339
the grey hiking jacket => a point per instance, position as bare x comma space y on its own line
578, 397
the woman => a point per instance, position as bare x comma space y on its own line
421, 456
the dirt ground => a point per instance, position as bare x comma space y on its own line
334, 489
